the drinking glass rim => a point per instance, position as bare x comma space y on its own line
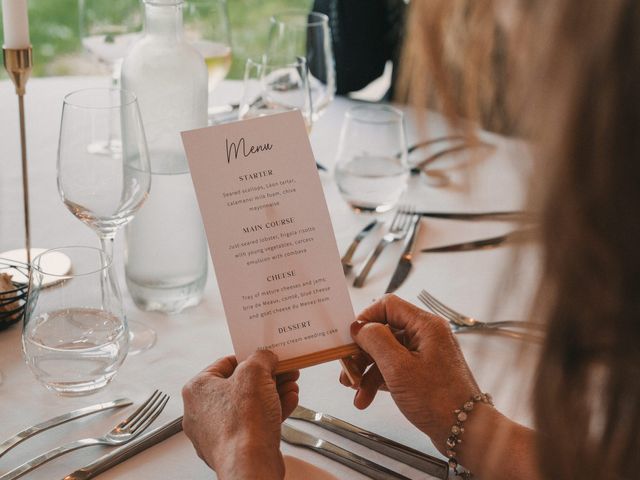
106, 264
393, 114
130, 100
323, 18
299, 62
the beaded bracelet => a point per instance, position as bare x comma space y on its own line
457, 429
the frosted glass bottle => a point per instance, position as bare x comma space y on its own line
166, 249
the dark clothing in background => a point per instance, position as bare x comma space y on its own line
366, 34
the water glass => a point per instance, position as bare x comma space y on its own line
75, 335
371, 166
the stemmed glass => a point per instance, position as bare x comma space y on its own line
299, 33
274, 88
206, 27
108, 28
105, 191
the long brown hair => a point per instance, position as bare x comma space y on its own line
573, 90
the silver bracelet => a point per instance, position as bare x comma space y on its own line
457, 429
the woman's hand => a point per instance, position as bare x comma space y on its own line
232, 415
414, 356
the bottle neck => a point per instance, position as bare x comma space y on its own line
163, 21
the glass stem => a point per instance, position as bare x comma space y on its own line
106, 242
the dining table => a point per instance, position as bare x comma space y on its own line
491, 284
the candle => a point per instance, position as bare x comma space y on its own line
15, 22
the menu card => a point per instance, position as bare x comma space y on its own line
271, 239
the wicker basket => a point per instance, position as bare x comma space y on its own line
12, 301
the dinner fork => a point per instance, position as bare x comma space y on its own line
397, 231
122, 433
463, 323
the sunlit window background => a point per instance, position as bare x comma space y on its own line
54, 28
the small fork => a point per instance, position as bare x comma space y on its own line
397, 231
463, 323
122, 433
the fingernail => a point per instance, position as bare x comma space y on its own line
355, 400
356, 326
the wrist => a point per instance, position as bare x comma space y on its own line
247, 458
496, 447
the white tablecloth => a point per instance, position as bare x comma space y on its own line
472, 282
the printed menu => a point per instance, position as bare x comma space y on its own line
271, 239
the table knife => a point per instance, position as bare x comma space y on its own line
59, 420
506, 216
346, 259
404, 264
127, 451
484, 243
330, 450
418, 460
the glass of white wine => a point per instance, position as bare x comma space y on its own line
274, 88
206, 27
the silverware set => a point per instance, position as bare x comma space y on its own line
406, 225
123, 433
400, 226
418, 460
460, 323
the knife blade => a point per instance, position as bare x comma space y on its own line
346, 259
59, 420
418, 460
485, 243
330, 450
127, 451
404, 264
506, 216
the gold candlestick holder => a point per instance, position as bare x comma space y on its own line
18, 62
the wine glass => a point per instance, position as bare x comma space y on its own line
108, 28
275, 88
371, 167
299, 33
103, 191
75, 336
206, 27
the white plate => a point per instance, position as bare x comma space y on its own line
56, 263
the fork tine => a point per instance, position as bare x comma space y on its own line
127, 420
431, 306
399, 220
396, 217
434, 306
151, 416
442, 305
145, 413
409, 219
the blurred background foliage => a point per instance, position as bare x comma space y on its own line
58, 51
